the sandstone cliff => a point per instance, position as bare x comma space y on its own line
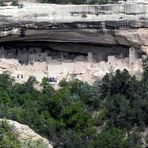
113, 24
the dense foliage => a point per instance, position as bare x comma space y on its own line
111, 113
7, 137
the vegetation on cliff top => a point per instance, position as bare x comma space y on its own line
16, 2
7, 137
79, 1
110, 113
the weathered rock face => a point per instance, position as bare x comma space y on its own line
114, 24
25, 133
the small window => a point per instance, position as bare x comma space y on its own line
18, 76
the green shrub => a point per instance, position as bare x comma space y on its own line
7, 137
15, 2
2, 3
34, 144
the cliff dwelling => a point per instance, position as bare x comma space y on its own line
57, 60
82, 41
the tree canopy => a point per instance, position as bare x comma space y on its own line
112, 112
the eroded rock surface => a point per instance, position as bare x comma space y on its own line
113, 24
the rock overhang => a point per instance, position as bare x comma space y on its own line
113, 24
